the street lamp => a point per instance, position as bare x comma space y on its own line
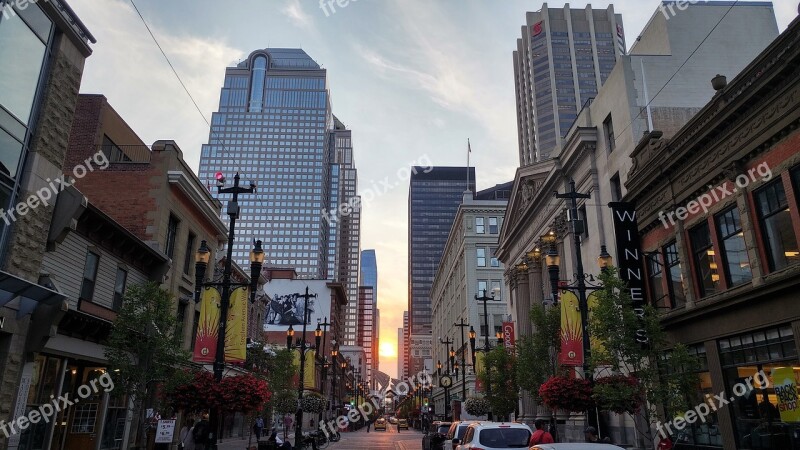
486, 346
202, 259
604, 261
444, 380
301, 343
463, 325
472, 346
499, 336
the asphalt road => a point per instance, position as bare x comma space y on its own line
390, 439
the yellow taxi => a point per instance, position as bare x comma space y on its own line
380, 424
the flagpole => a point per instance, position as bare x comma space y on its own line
469, 150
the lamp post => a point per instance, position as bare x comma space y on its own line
446, 379
298, 430
463, 325
553, 266
202, 258
486, 346
472, 347
321, 334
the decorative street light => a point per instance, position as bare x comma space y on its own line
486, 346
444, 378
580, 285
499, 336
301, 343
472, 346
463, 325
202, 259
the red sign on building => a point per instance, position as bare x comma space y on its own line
508, 335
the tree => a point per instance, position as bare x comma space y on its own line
277, 367
503, 378
144, 347
536, 354
617, 328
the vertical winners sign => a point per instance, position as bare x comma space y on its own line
630, 258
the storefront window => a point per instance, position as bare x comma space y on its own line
766, 415
704, 259
776, 226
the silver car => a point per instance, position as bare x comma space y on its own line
496, 436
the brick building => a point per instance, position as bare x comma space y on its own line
717, 207
38, 94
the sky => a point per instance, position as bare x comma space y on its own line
413, 79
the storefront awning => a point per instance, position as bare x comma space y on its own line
29, 294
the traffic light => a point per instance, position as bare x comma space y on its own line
220, 179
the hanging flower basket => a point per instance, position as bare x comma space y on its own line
618, 393
568, 394
312, 403
285, 402
477, 406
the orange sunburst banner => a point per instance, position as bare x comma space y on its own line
571, 334
205, 346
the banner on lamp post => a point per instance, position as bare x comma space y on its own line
236, 327
571, 332
509, 340
478, 369
205, 345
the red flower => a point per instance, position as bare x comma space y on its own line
569, 394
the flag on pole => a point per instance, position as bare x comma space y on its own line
469, 150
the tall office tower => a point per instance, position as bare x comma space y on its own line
366, 326
402, 349
273, 120
369, 270
433, 199
343, 219
562, 59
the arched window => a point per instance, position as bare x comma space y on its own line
257, 83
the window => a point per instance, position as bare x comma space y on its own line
608, 130
655, 275
496, 290
187, 258
89, 275
493, 261
112, 151
734, 252
119, 288
480, 227
481, 257
616, 188
493, 228
172, 233
483, 287
777, 233
582, 216
705, 265
674, 275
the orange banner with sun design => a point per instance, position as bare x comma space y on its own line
205, 345
571, 333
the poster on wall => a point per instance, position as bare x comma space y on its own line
288, 306
783, 379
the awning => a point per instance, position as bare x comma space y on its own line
29, 294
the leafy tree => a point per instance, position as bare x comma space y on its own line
536, 354
500, 365
144, 347
276, 366
617, 327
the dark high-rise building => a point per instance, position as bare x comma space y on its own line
562, 59
272, 127
433, 199
369, 270
367, 326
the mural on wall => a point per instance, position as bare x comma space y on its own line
289, 309
288, 306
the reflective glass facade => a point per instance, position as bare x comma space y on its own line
272, 127
562, 59
433, 201
27, 38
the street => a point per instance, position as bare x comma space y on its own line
380, 440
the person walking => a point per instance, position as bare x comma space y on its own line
540, 436
186, 440
258, 427
591, 436
200, 433
369, 424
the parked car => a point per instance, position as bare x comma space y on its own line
435, 437
393, 420
402, 424
456, 431
575, 446
495, 436
380, 424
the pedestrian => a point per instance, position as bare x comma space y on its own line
540, 436
258, 427
591, 436
369, 424
186, 438
200, 433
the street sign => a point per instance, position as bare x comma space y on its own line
165, 431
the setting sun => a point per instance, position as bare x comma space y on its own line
388, 350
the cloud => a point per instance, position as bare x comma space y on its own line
127, 67
296, 14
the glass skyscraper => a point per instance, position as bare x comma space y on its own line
562, 59
275, 127
369, 270
433, 199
